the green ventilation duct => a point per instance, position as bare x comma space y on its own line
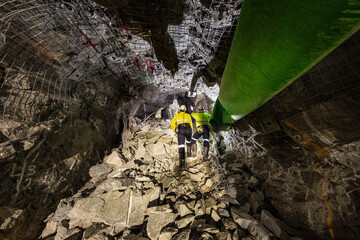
275, 43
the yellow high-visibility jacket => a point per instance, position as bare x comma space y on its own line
180, 118
202, 119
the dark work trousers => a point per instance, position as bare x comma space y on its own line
184, 133
204, 134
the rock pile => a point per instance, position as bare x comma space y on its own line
136, 194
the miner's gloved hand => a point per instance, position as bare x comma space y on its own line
176, 130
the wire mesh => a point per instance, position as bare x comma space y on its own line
49, 46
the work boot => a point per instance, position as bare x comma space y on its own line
206, 153
188, 151
181, 161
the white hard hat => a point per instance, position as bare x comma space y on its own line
183, 108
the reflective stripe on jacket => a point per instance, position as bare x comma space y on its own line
180, 118
202, 118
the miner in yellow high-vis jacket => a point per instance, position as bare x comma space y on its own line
182, 125
202, 129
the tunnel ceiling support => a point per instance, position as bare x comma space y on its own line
275, 43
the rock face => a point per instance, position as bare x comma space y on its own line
158, 202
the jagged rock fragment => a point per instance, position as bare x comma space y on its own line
257, 201
270, 223
87, 208
223, 236
183, 222
115, 210
206, 236
215, 215
184, 235
115, 159
51, 227
156, 222
183, 210
100, 170
207, 228
167, 233
229, 224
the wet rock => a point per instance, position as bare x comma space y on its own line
270, 223
156, 222
183, 222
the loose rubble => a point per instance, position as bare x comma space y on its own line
135, 193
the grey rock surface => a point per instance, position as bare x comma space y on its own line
144, 199
156, 222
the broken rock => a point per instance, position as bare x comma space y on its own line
167, 233
156, 222
87, 208
183, 222
115, 159
100, 170
156, 150
184, 235
270, 223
